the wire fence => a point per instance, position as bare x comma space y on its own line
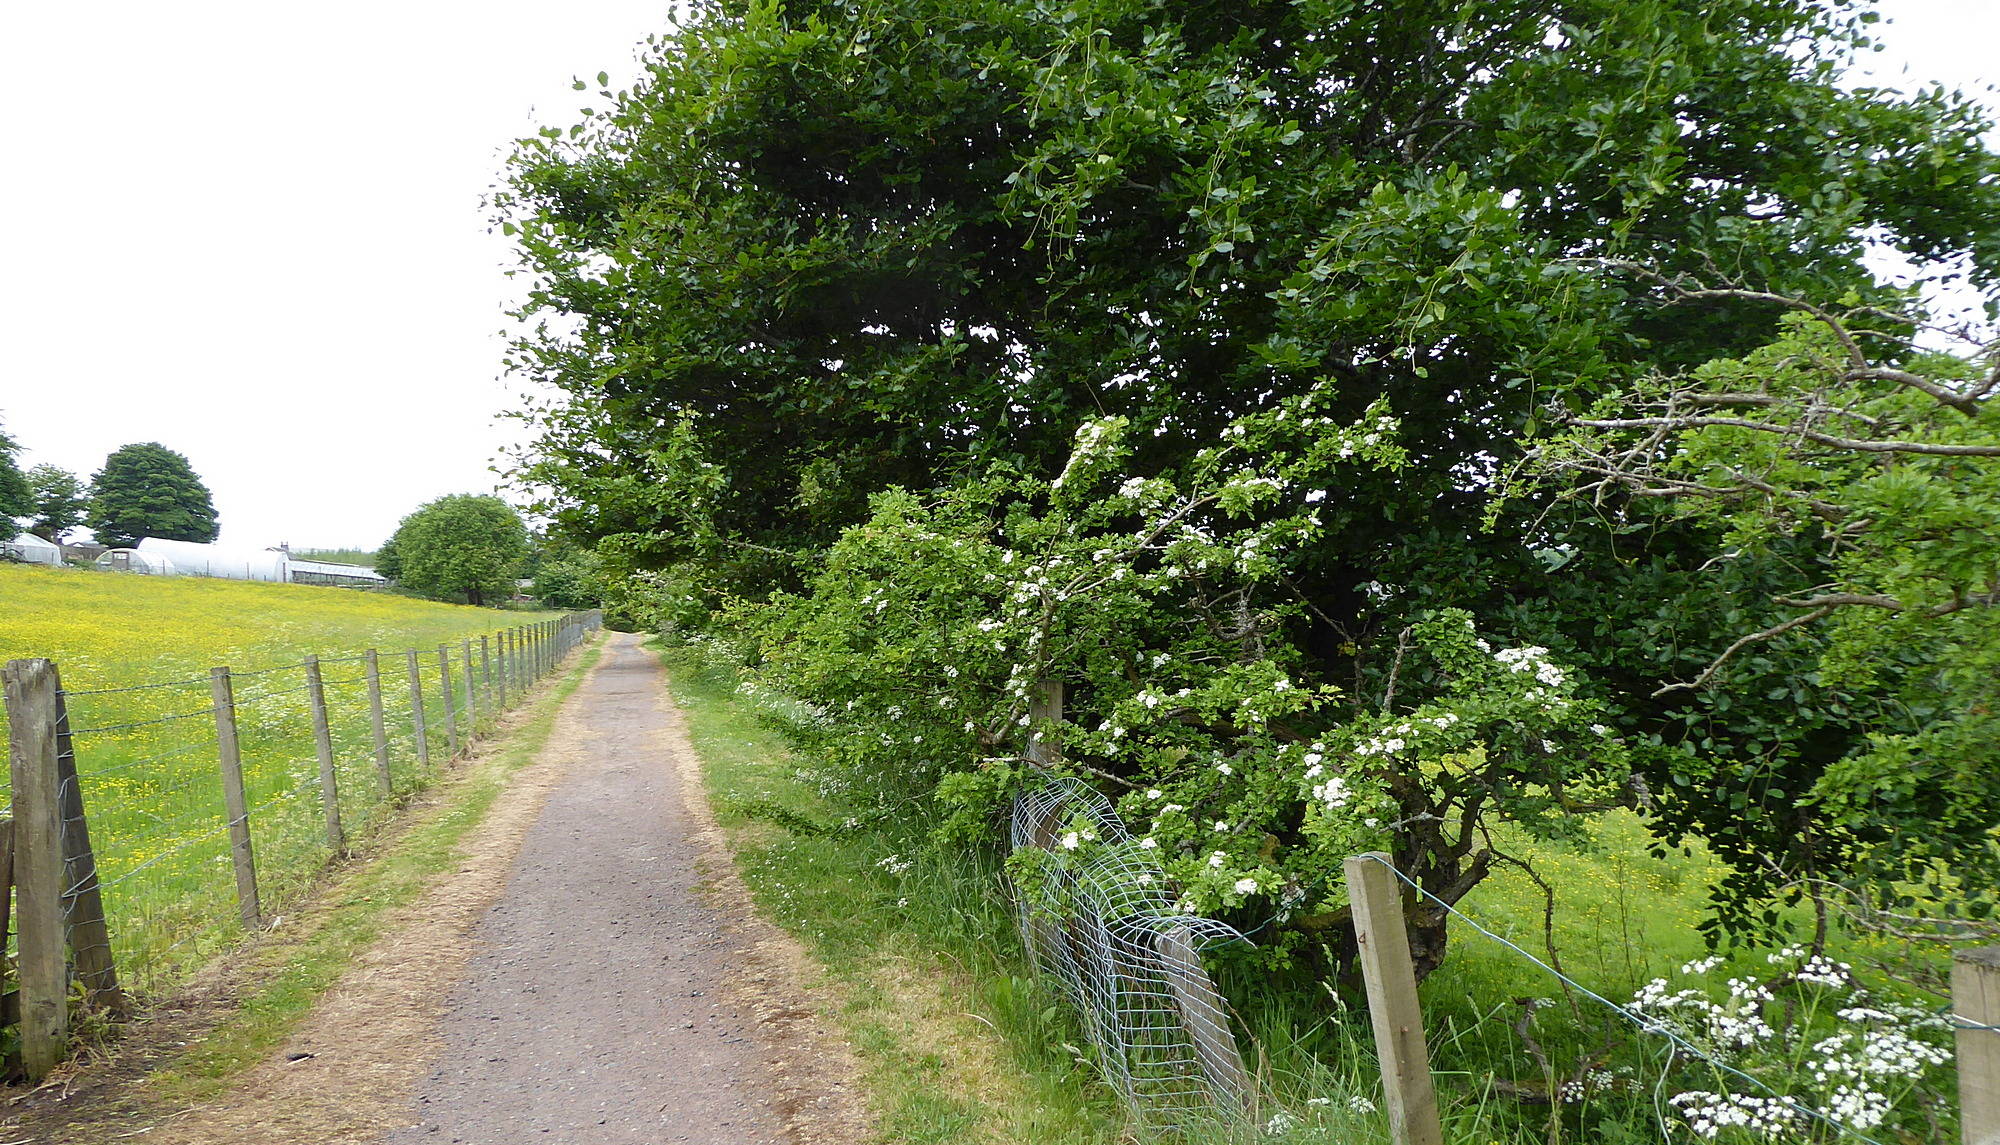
214, 804
1800, 1050
1804, 1051
1096, 916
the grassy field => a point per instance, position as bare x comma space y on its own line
964, 1043
135, 654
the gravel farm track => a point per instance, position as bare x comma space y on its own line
591, 972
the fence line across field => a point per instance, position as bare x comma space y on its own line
189, 855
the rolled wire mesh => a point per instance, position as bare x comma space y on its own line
1101, 923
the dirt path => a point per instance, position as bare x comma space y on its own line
591, 975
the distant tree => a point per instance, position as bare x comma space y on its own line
387, 561
15, 500
59, 502
466, 545
148, 490
568, 577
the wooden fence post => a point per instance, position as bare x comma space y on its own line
450, 715
486, 674
417, 710
1975, 999
229, 751
1206, 1020
1408, 1093
31, 688
376, 724
471, 699
1045, 708
7, 903
500, 669
82, 898
329, 784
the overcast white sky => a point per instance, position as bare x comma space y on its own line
252, 232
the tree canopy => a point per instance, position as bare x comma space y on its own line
845, 294
148, 490
15, 498
59, 502
466, 546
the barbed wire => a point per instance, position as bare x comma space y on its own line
74, 732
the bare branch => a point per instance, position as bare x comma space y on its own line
1965, 404
1772, 632
1861, 445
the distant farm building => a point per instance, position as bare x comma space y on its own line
32, 549
187, 558
133, 560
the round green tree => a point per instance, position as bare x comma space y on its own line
148, 490
59, 502
466, 546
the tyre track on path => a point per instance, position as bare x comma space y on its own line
592, 974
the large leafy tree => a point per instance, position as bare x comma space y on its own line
59, 501
1842, 448
466, 547
15, 498
829, 249
148, 490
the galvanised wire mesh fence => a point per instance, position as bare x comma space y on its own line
194, 808
1097, 917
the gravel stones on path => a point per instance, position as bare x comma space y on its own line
592, 974
597, 1005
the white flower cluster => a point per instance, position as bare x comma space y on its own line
1281, 1122
1576, 1089
1074, 839
1737, 1023
1334, 793
894, 864
1850, 1073
1860, 1054
1708, 1114
1381, 745
1532, 658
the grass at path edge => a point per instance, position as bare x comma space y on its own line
957, 1040
292, 975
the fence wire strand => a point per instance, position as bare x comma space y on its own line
1645, 1025
146, 772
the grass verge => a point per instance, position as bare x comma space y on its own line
961, 1043
958, 1041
